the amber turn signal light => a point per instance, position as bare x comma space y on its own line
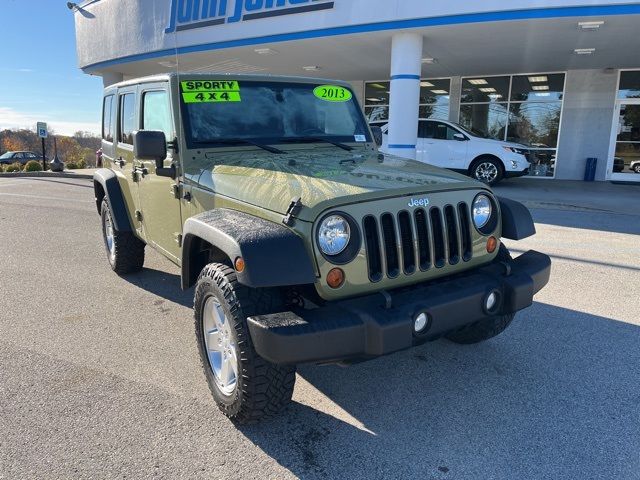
239, 264
335, 278
492, 244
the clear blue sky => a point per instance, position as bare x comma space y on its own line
39, 74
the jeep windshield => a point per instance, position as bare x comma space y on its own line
220, 113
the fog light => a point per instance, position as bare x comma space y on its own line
491, 301
335, 278
514, 165
420, 323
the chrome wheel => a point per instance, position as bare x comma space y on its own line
108, 237
486, 172
220, 345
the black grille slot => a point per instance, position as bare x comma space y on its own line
452, 234
406, 238
424, 252
390, 245
372, 242
438, 238
465, 231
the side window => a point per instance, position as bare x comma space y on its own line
426, 129
31, 155
19, 155
156, 114
107, 111
127, 118
442, 131
422, 129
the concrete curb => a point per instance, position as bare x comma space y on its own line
45, 174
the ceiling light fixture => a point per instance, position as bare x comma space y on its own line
590, 25
266, 51
540, 87
478, 81
440, 92
377, 85
488, 90
426, 84
584, 51
539, 79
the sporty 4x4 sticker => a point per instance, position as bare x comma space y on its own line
196, 91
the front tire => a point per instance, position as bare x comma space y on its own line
245, 386
125, 251
488, 170
636, 168
489, 327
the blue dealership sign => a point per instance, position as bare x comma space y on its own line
189, 14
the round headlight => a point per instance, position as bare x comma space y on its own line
333, 235
482, 210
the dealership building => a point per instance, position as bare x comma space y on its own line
562, 77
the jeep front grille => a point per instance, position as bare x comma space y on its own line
420, 240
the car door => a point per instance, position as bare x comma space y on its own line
127, 121
441, 147
159, 196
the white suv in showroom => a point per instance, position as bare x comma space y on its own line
449, 145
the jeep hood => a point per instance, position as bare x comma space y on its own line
321, 177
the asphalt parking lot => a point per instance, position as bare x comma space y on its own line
100, 377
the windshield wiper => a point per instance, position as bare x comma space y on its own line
240, 141
316, 139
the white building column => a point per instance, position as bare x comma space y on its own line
404, 104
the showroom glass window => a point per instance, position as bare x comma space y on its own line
434, 99
627, 147
524, 109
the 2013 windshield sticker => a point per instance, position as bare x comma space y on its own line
332, 93
209, 91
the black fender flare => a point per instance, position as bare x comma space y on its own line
274, 255
108, 180
517, 222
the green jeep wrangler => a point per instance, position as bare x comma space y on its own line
304, 243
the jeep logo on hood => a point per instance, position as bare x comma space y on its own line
419, 202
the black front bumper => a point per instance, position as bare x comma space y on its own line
374, 325
521, 173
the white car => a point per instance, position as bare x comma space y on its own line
449, 145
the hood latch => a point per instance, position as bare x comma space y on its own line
294, 208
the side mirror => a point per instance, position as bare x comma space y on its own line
460, 137
377, 135
150, 145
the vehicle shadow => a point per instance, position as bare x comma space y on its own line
556, 396
164, 285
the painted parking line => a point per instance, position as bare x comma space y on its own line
42, 197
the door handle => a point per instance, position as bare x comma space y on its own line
120, 161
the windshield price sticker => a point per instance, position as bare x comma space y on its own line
210, 97
208, 91
332, 93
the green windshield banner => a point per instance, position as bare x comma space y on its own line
207, 91
332, 93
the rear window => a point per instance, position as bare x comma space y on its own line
127, 118
107, 117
